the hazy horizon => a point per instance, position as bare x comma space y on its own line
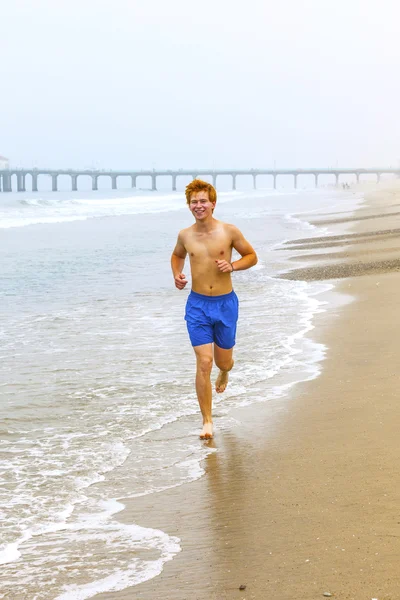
132, 86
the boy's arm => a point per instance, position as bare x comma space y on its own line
177, 262
245, 249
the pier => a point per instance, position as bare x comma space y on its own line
16, 179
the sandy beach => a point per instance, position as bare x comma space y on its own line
301, 501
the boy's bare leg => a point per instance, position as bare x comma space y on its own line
224, 361
204, 360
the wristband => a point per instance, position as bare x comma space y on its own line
232, 267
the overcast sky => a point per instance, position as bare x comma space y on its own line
176, 83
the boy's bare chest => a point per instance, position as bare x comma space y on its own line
208, 246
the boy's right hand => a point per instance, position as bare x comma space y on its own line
180, 281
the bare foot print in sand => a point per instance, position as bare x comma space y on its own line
207, 432
222, 382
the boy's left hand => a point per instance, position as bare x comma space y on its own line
224, 266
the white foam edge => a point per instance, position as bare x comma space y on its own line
168, 546
10, 552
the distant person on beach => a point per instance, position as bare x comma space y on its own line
212, 306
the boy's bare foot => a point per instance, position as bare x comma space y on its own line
222, 381
207, 432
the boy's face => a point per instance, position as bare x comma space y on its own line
200, 205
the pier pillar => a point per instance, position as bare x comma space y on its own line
316, 179
274, 181
54, 182
194, 176
337, 179
34, 182
113, 182
1, 181
133, 177
214, 179
153, 183
233, 181
95, 184
295, 181
74, 182
358, 177
174, 183
254, 181
24, 182
7, 185
19, 182
378, 177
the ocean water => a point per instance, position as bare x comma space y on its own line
97, 399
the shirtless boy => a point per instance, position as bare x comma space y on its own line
212, 306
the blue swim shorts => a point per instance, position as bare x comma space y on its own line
212, 319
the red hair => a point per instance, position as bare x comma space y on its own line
197, 185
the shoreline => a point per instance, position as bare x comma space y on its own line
185, 431
311, 507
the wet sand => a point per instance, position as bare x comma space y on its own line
303, 498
